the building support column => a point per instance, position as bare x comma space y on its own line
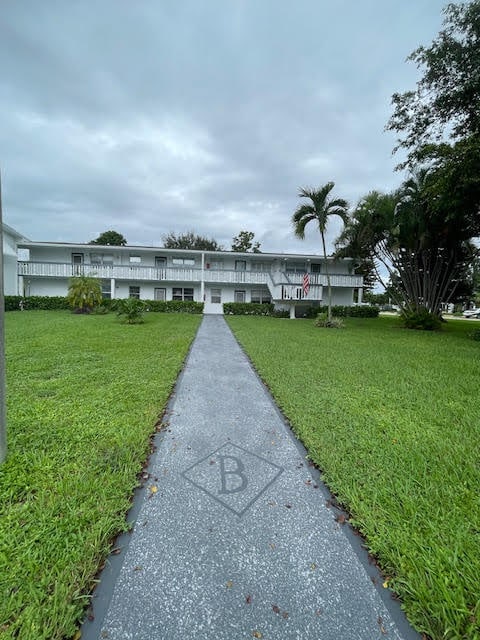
112, 288
202, 281
292, 312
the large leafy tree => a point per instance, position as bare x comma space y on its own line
438, 125
110, 238
190, 240
244, 242
445, 106
415, 239
320, 208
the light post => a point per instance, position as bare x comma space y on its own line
3, 413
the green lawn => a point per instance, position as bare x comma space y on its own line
84, 394
392, 418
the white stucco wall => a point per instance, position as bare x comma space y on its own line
10, 280
44, 286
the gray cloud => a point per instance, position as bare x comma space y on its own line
169, 116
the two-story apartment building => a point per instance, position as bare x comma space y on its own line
212, 277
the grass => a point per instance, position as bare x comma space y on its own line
392, 419
84, 394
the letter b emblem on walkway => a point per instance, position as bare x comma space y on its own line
233, 476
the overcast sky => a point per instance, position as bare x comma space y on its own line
151, 116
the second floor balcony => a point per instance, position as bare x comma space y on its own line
181, 274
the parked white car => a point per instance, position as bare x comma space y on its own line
471, 313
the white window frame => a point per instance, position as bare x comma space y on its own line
240, 293
134, 291
296, 267
238, 264
215, 296
263, 296
180, 293
261, 266
160, 293
106, 289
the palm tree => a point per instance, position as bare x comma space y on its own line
84, 293
321, 207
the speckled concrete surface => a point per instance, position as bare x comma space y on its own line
232, 536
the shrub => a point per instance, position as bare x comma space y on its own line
334, 323
131, 308
248, 309
84, 293
421, 320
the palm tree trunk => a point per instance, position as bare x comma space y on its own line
328, 278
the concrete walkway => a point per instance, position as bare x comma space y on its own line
232, 536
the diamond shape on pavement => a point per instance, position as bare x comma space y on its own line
233, 476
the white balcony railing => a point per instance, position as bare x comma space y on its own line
295, 293
178, 274
336, 280
172, 274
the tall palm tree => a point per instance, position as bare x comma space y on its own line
319, 211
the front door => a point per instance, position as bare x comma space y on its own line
213, 301
77, 264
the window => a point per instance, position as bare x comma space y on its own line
216, 295
216, 265
134, 292
106, 290
179, 293
184, 261
134, 259
101, 259
160, 262
240, 265
239, 296
77, 264
295, 267
261, 266
260, 296
159, 294
316, 267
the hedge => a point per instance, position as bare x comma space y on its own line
13, 303
344, 311
248, 309
174, 306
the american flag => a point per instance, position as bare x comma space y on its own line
306, 284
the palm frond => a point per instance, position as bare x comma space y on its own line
302, 216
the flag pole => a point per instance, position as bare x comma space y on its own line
3, 413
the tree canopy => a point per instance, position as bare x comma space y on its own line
421, 235
110, 238
413, 235
445, 106
243, 242
190, 240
